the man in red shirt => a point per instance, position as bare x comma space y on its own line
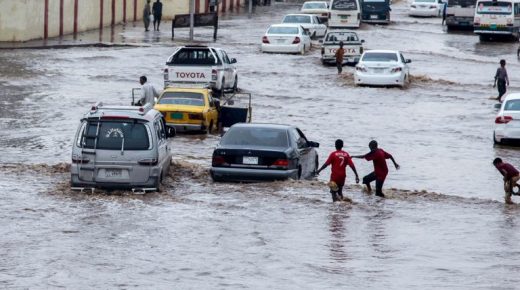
338, 160
378, 156
511, 177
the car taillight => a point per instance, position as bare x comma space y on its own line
195, 116
361, 68
296, 40
358, 16
396, 69
214, 74
165, 74
509, 22
80, 160
265, 39
148, 162
218, 160
503, 119
324, 14
280, 163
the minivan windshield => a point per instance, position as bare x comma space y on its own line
492, 7
182, 98
380, 56
297, 19
344, 5
112, 133
250, 136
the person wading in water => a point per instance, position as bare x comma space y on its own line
501, 79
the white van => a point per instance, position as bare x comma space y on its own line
344, 13
497, 18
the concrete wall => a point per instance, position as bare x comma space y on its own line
22, 20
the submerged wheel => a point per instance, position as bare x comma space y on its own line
302, 51
235, 85
158, 183
495, 142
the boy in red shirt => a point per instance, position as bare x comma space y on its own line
339, 160
378, 156
511, 177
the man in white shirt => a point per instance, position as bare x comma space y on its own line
148, 92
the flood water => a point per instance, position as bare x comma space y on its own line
443, 225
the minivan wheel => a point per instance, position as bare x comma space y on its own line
158, 183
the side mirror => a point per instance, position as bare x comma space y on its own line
233, 60
313, 144
171, 132
407, 61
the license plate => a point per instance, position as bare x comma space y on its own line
250, 160
344, 16
493, 26
373, 17
113, 173
280, 41
176, 116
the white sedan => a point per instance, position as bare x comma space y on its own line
507, 122
287, 38
426, 8
382, 68
307, 21
318, 8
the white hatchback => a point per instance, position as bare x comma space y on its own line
426, 8
382, 68
286, 38
507, 121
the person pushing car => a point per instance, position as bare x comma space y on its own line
338, 160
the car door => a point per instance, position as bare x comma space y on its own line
306, 38
406, 68
230, 70
162, 144
224, 68
304, 151
212, 112
320, 31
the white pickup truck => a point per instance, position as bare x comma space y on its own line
351, 43
201, 65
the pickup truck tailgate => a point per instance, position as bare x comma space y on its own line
188, 74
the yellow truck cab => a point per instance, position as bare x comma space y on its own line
188, 109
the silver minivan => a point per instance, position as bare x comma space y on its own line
121, 147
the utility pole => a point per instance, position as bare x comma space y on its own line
250, 8
192, 18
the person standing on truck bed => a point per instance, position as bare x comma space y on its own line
339, 57
148, 92
147, 11
157, 14
501, 80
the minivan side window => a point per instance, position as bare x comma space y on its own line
159, 129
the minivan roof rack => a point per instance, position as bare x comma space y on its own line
141, 110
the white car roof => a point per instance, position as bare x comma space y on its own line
326, 2
286, 25
341, 30
382, 51
512, 96
298, 14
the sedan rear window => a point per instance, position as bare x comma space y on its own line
116, 135
380, 56
191, 56
182, 98
512, 105
297, 19
248, 136
314, 6
341, 36
283, 30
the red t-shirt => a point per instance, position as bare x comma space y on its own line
339, 160
379, 157
507, 170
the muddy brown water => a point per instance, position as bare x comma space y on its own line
443, 225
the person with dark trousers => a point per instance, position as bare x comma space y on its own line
501, 80
157, 14
340, 52
339, 160
511, 177
378, 157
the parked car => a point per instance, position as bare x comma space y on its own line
286, 38
507, 121
351, 43
249, 152
426, 8
188, 109
382, 68
202, 64
122, 147
307, 21
318, 8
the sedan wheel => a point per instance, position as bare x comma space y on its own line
302, 51
495, 142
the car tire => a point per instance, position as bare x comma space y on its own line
313, 36
158, 183
210, 127
235, 85
302, 51
214, 178
495, 142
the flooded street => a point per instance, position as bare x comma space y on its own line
443, 226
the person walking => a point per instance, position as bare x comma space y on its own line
378, 157
339, 160
157, 14
511, 177
340, 52
501, 80
146, 15
148, 92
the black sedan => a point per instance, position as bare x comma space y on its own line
250, 152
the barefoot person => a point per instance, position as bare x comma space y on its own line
501, 80
378, 156
339, 57
339, 160
511, 177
